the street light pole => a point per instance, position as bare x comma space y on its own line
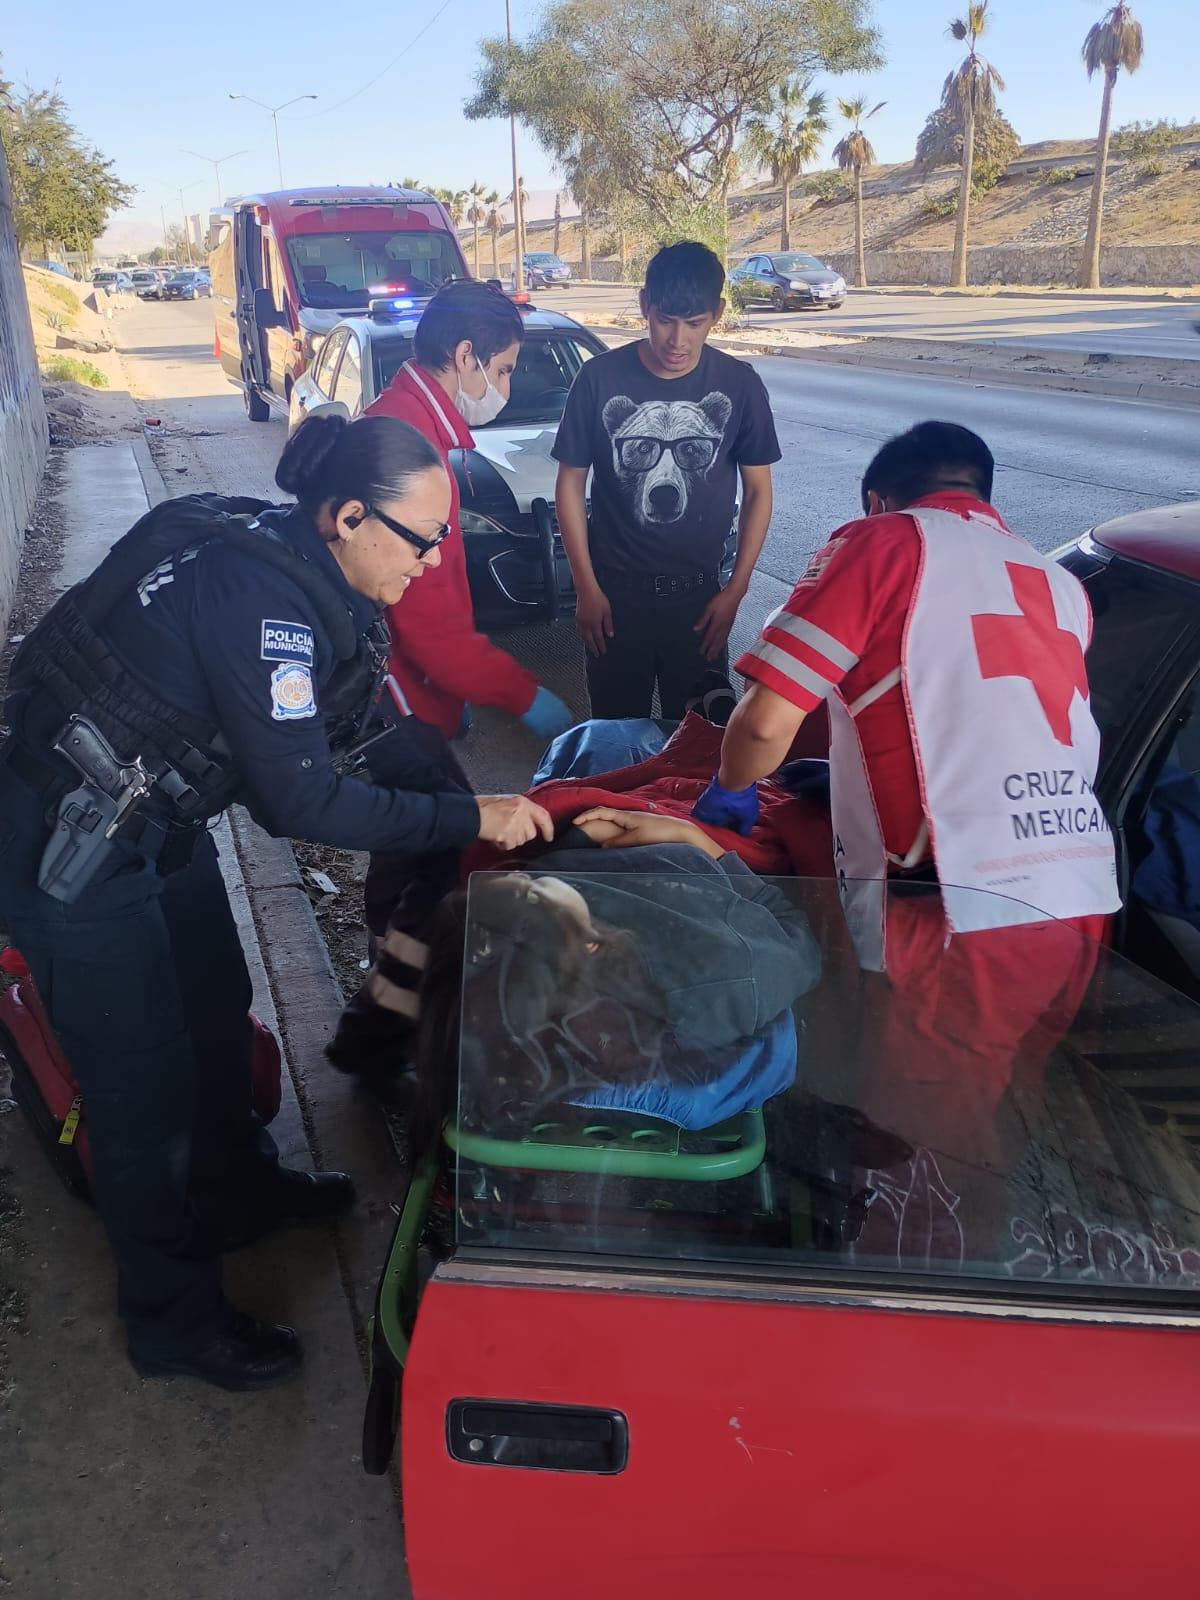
215, 162
274, 111
518, 209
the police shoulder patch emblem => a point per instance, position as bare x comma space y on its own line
292, 693
287, 641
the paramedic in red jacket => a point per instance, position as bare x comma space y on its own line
963, 755
465, 349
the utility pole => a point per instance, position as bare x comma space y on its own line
274, 111
162, 211
216, 163
518, 209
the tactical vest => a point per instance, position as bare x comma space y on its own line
69, 659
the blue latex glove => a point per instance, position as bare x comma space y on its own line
728, 808
547, 716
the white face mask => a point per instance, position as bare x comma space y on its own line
477, 413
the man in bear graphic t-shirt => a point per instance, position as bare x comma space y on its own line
666, 426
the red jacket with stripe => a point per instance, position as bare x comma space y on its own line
439, 659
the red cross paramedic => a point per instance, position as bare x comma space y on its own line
950, 655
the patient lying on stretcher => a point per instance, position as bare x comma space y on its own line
655, 974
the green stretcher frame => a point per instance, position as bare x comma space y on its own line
624, 1146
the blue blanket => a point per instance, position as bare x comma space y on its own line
695, 1091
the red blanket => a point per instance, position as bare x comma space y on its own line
792, 837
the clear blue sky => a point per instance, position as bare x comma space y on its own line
145, 82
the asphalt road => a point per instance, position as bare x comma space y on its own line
1127, 325
1066, 461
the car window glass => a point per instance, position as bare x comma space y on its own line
695, 1068
1136, 618
544, 373
389, 355
347, 386
327, 360
274, 274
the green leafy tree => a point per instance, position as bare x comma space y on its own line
940, 143
1114, 42
971, 89
662, 87
63, 189
854, 152
785, 138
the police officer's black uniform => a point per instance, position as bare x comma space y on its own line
215, 641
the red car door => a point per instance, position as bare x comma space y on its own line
927, 1327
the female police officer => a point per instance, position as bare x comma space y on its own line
221, 651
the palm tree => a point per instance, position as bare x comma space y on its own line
493, 223
974, 87
476, 194
852, 153
785, 138
1111, 44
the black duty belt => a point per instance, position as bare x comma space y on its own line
661, 586
37, 771
168, 844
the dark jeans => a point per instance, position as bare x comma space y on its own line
145, 982
401, 894
653, 641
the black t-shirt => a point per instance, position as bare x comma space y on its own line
664, 454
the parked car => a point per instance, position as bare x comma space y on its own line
789, 281
545, 270
112, 282
287, 266
187, 285
767, 1357
147, 283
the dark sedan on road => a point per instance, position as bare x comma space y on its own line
545, 270
187, 286
788, 281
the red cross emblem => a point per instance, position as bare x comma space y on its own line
1033, 646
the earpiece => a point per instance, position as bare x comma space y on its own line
353, 522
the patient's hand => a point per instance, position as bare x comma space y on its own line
619, 830
598, 830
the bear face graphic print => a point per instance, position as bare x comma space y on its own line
663, 450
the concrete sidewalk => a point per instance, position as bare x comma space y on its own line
122, 1489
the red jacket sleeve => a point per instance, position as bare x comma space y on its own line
434, 637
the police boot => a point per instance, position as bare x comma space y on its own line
246, 1354
287, 1197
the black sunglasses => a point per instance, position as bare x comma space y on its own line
415, 539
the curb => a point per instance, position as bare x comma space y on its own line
1114, 388
1169, 294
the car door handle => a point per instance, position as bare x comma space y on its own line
492, 1433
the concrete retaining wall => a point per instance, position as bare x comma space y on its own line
1157, 265
23, 436
1150, 265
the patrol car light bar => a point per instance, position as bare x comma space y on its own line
383, 310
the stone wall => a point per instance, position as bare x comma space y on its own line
23, 435
1154, 265
1149, 265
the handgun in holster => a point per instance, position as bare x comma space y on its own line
91, 816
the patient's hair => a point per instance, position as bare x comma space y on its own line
929, 457
534, 1003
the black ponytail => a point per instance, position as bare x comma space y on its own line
329, 460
